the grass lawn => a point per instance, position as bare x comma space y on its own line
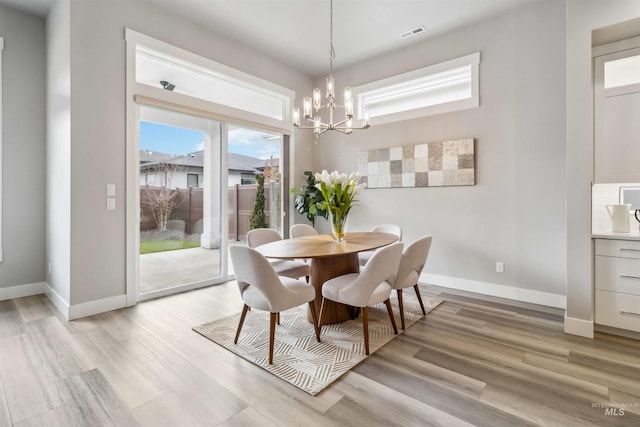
150, 246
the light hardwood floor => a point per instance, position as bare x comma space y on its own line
472, 361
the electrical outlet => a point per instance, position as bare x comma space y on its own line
499, 267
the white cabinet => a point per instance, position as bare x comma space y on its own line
617, 281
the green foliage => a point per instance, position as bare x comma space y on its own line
308, 200
257, 218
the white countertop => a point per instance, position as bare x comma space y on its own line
634, 234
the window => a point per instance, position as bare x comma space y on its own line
213, 82
247, 179
622, 72
444, 87
192, 180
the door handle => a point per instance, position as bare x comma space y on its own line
624, 276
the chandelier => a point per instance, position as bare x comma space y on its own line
308, 103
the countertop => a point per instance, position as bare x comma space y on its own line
634, 234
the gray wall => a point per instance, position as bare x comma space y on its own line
515, 213
98, 263
583, 16
23, 165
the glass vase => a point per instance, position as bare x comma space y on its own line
338, 226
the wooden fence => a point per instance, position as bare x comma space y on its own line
189, 209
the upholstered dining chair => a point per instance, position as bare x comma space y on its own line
261, 288
369, 287
284, 267
363, 257
412, 262
302, 230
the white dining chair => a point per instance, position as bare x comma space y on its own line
302, 230
369, 287
262, 289
284, 267
363, 257
412, 262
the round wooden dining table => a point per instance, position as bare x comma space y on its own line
329, 259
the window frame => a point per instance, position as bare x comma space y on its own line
391, 83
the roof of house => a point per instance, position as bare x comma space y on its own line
235, 162
148, 156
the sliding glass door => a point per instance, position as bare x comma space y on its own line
181, 236
251, 153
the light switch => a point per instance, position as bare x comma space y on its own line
111, 189
111, 203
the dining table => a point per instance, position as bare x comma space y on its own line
329, 259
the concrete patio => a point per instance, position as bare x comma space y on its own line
161, 270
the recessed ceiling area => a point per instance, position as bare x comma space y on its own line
297, 31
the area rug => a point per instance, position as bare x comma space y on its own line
298, 357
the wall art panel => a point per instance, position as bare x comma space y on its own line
432, 164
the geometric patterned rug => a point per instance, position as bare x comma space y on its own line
298, 357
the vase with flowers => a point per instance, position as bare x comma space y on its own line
339, 192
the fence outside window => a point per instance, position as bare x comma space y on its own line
189, 213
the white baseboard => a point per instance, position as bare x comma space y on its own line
76, 311
22, 291
61, 304
502, 291
573, 326
90, 308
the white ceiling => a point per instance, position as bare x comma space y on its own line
297, 31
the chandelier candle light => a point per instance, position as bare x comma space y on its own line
339, 192
319, 127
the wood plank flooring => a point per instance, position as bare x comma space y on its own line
473, 361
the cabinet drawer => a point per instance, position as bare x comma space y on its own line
618, 248
618, 310
618, 274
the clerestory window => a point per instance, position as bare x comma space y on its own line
447, 86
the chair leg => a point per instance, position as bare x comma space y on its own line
242, 316
272, 335
314, 317
390, 311
323, 310
365, 328
401, 307
307, 277
419, 298
278, 318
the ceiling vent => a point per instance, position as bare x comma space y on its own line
413, 32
